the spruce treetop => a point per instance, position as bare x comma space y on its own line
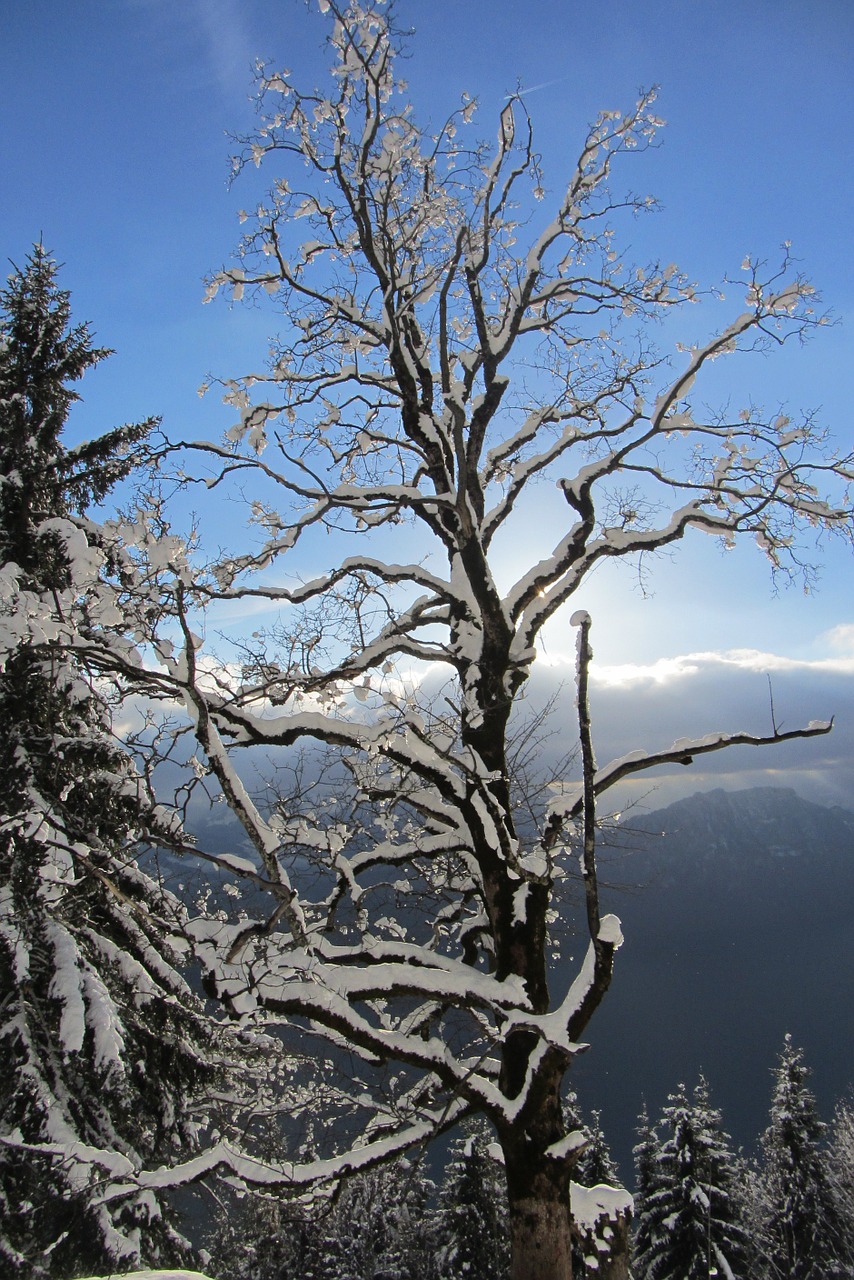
42, 355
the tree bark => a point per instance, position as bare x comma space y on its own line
540, 1237
539, 1217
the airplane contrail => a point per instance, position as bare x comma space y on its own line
547, 84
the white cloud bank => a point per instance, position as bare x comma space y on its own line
665, 669
651, 705
837, 645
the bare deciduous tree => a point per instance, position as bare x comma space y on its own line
444, 347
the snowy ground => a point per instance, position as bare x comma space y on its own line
154, 1275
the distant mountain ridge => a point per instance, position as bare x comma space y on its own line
759, 822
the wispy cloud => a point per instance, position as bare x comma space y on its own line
840, 638
213, 38
223, 28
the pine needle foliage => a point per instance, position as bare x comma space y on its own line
104, 1048
688, 1212
803, 1225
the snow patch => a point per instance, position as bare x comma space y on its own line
610, 930
589, 1204
154, 1275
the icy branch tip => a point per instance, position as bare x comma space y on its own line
822, 725
579, 618
610, 930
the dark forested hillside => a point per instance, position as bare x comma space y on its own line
738, 914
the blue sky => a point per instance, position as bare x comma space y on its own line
113, 122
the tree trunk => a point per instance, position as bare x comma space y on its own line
539, 1220
616, 1265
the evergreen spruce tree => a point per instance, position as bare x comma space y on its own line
595, 1165
377, 1227
472, 1212
842, 1173
646, 1155
412, 1241
381, 1225
688, 1216
103, 1047
804, 1227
